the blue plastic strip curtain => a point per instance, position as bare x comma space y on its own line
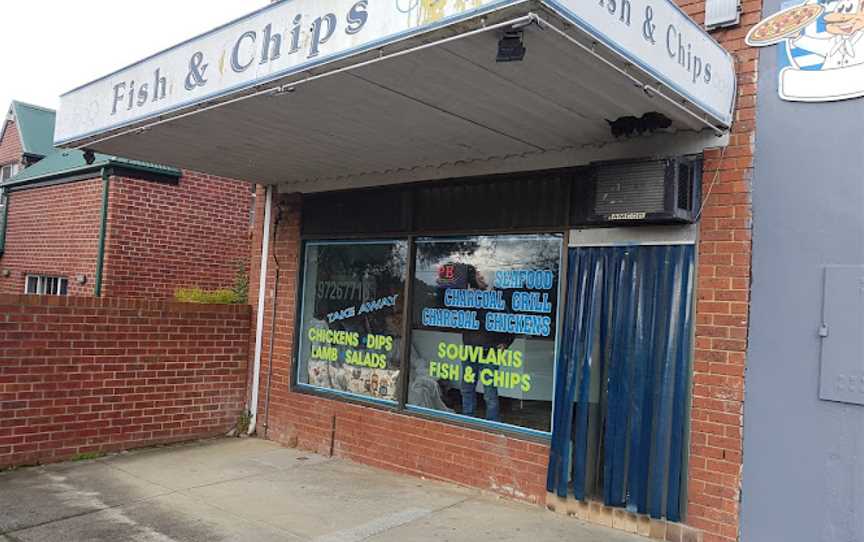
623, 378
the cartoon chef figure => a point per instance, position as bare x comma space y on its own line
844, 21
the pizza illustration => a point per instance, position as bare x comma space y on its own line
783, 24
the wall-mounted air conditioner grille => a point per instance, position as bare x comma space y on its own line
646, 191
686, 189
629, 188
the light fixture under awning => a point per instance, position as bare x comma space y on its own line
374, 85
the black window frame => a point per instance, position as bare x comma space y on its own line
402, 406
296, 385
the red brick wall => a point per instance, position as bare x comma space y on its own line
10, 145
82, 375
723, 301
419, 447
162, 237
54, 231
382, 438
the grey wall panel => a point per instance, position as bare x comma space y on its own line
841, 376
803, 457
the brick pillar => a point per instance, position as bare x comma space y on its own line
723, 298
284, 255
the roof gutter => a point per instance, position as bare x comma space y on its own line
84, 172
103, 222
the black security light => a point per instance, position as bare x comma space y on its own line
89, 156
510, 47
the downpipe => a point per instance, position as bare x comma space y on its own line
259, 320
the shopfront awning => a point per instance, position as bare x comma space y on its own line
306, 91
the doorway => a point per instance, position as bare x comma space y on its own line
623, 377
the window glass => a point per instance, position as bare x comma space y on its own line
483, 328
8, 171
351, 317
42, 285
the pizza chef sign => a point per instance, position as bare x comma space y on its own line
823, 55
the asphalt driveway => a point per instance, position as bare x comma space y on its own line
249, 489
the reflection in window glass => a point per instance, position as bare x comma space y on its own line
351, 317
483, 328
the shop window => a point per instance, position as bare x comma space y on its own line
484, 326
351, 317
43, 285
480, 344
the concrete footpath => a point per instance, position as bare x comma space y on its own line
250, 489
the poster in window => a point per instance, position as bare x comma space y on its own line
484, 327
351, 317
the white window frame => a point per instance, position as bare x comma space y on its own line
7, 171
46, 285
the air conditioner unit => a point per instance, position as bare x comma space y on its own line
639, 192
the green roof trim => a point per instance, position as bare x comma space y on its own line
64, 163
35, 128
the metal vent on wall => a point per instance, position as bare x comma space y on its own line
520, 201
629, 188
685, 186
663, 191
720, 13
